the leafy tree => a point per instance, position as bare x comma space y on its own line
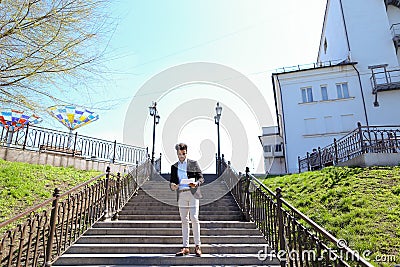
46, 45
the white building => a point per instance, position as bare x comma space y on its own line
356, 78
272, 142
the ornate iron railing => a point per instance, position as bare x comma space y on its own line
45, 231
42, 139
364, 139
291, 236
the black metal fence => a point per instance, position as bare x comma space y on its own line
45, 231
40, 139
364, 139
291, 236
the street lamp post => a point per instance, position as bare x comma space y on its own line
156, 120
217, 118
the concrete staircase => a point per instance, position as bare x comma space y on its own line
148, 233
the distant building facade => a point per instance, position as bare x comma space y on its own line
356, 79
272, 142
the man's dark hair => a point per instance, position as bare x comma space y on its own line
181, 146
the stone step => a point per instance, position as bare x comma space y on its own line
143, 239
164, 260
176, 217
170, 231
122, 265
165, 248
158, 193
208, 188
174, 203
162, 212
173, 224
172, 195
227, 203
175, 208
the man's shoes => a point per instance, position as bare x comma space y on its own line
183, 251
197, 250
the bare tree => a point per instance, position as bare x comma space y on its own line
45, 44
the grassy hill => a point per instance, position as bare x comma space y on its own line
23, 185
360, 205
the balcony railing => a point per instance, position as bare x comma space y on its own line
364, 139
385, 80
40, 139
395, 30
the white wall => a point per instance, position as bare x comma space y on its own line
274, 163
309, 125
334, 34
369, 33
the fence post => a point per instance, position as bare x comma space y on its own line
298, 162
160, 162
361, 137
281, 232
336, 151
308, 162
247, 194
107, 189
115, 149
26, 136
76, 138
53, 222
136, 177
117, 197
216, 164
319, 158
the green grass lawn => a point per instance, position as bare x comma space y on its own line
23, 185
360, 205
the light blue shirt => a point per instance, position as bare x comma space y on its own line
182, 174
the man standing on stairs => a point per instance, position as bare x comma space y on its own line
188, 195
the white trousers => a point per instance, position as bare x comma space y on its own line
188, 205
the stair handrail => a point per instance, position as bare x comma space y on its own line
46, 231
283, 226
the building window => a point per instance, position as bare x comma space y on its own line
342, 90
267, 149
278, 148
348, 122
310, 126
329, 124
324, 92
306, 94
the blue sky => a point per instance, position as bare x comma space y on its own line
253, 37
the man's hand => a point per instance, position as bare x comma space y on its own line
174, 186
193, 185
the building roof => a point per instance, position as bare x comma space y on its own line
313, 66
